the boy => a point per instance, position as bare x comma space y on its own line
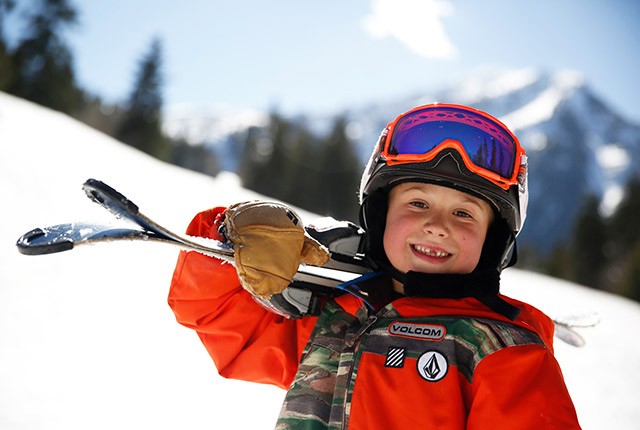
442, 200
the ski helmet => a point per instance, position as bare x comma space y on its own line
457, 147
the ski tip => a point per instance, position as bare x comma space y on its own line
569, 336
34, 242
106, 196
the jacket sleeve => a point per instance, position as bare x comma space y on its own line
245, 340
521, 387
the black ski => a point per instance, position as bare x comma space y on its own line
64, 237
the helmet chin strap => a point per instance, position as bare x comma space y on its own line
483, 285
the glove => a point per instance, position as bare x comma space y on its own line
269, 243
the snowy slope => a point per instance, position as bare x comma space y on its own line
88, 341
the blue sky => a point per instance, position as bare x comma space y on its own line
331, 55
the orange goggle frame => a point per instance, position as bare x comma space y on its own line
487, 147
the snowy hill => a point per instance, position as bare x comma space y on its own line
88, 341
568, 131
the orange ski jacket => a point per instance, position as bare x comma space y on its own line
417, 363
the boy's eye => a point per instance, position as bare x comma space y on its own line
463, 214
418, 204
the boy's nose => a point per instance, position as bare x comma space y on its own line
436, 225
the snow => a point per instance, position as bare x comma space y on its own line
613, 196
88, 341
612, 159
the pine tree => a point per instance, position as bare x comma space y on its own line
7, 68
287, 162
629, 285
283, 137
559, 264
587, 248
339, 174
255, 156
194, 157
625, 229
43, 64
260, 164
141, 126
272, 162
624, 234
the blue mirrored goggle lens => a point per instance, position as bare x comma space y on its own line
487, 144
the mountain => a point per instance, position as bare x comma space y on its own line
87, 339
577, 145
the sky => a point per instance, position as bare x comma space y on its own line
332, 55
88, 341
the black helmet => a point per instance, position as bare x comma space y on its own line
457, 147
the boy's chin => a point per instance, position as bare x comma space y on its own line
434, 270
443, 270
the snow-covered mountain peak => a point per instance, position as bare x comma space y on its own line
492, 85
568, 79
532, 96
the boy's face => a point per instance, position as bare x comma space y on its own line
434, 229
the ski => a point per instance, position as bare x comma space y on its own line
64, 237
566, 325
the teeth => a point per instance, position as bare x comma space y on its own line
431, 252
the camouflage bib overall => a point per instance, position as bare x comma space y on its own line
320, 395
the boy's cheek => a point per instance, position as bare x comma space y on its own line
391, 249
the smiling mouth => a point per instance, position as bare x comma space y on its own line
436, 253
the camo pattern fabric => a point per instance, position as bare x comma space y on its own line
316, 398
320, 395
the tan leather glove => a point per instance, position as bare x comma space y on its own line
269, 243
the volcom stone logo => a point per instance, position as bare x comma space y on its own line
432, 366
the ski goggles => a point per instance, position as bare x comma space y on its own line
486, 146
